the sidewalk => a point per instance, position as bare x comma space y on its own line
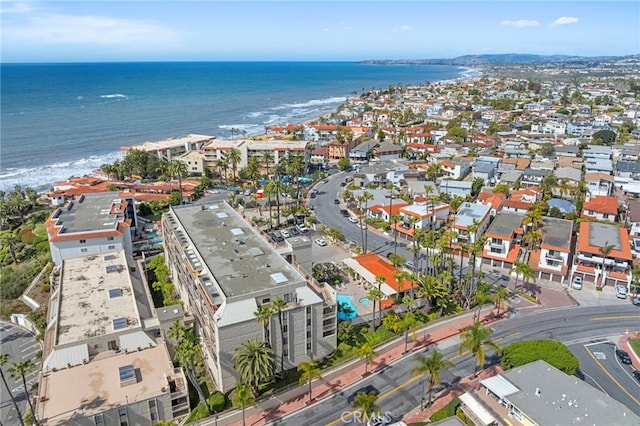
352, 372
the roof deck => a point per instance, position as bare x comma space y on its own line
90, 213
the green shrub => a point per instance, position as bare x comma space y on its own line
217, 402
551, 351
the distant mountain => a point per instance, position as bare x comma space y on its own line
506, 58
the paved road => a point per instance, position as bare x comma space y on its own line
603, 370
400, 392
20, 345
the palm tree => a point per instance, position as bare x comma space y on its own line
11, 241
242, 397
474, 338
362, 206
263, 315
295, 168
499, 297
275, 187
395, 218
366, 402
19, 371
309, 373
253, 360
178, 168
4, 358
278, 306
604, 252
520, 268
480, 298
233, 157
431, 288
432, 365
366, 352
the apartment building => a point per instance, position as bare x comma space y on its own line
470, 222
224, 271
103, 362
551, 261
504, 236
603, 254
171, 148
92, 224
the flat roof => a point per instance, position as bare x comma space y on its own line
505, 223
556, 232
170, 143
550, 397
89, 389
601, 234
271, 144
100, 211
239, 259
470, 211
95, 291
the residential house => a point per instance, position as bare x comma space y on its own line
195, 161
93, 224
531, 177
368, 267
601, 208
363, 151
425, 215
603, 254
597, 151
504, 237
484, 171
579, 128
568, 179
522, 200
567, 151
455, 187
511, 177
551, 261
371, 175
627, 152
385, 211
224, 271
468, 217
599, 184
633, 218
102, 348
387, 151
628, 169
496, 201
574, 162
455, 169
598, 165
539, 394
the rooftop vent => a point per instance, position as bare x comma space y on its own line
237, 231
222, 215
127, 374
109, 257
119, 323
111, 268
115, 292
279, 278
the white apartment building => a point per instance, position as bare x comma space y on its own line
92, 224
172, 147
224, 271
504, 236
551, 261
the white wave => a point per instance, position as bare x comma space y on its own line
42, 178
115, 95
312, 102
255, 114
79, 97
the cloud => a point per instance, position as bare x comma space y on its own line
49, 29
564, 20
522, 23
15, 8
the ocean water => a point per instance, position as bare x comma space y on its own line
63, 120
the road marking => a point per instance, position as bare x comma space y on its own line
600, 355
611, 377
408, 382
614, 318
596, 343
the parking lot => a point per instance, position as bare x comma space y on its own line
602, 368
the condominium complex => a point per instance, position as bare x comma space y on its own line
90, 225
103, 362
224, 271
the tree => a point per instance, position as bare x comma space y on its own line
9, 240
366, 352
432, 365
476, 186
188, 350
344, 163
254, 362
499, 297
4, 358
474, 338
278, 306
362, 206
309, 373
233, 157
20, 370
604, 137
604, 252
366, 402
242, 397
178, 168
263, 315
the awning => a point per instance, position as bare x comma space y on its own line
385, 288
477, 409
499, 386
67, 357
131, 342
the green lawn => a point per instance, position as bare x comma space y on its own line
635, 345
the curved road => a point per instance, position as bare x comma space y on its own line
399, 393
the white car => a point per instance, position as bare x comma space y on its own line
303, 228
285, 233
621, 292
353, 219
577, 283
321, 242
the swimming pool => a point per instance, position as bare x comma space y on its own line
364, 301
347, 309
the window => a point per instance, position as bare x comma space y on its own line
309, 334
285, 352
285, 316
285, 328
111, 345
308, 310
83, 241
84, 250
265, 301
109, 238
98, 419
309, 347
122, 411
308, 322
288, 297
285, 341
111, 247
96, 346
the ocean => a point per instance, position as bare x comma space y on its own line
63, 120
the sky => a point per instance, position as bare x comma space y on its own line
347, 30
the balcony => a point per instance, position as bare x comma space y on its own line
497, 245
554, 256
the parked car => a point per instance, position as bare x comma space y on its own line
321, 242
577, 283
343, 183
621, 292
379, 420
636, 374
636, 301
344, 213
325, 181
285, 233
303, 228
353, 219
336, 201
294, 231
277, 237
624, 356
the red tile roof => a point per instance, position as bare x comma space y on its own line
602, 204
378, 266
584, 245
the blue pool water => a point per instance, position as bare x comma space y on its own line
364, 301
152, 236
348, 311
